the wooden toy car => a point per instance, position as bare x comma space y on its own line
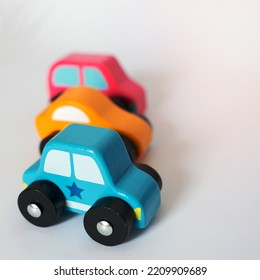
87, 170
101, 72
89, 106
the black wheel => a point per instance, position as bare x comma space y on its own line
124, 103
131, 148
46, 140
56, 96
145, 119
152, 172
109, 221
41, 203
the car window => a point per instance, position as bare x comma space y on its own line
66, 76
94, 78
70, 114
58, 163
86, 169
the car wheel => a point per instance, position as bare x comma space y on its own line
109, 221
56, 96
131, 148
152, 172
145, 119
41, 203
124, 104
46, 140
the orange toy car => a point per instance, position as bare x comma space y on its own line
89, 106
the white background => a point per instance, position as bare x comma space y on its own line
199, 62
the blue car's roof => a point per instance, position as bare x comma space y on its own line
104, 143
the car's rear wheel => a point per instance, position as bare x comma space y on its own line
124, 103
143, 117
109, 221
41, 203
152, 172
56, 96
131, 148
46, 140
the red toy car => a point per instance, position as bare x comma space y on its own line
101, 72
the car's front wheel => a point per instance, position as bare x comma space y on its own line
109, 221
41, 203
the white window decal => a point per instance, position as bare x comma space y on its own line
86, 169
70, 114
58, 163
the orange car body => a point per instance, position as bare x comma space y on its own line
91, 107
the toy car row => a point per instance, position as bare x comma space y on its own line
90, 149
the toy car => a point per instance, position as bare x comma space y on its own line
101, 72
87, 170
89, 106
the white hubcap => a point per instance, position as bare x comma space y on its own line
104, 228
34, 210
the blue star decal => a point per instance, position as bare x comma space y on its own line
75, 191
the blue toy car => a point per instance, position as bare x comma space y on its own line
87, 170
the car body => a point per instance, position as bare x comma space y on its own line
89, 106
89, 164
102, 72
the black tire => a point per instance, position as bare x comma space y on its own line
56, 96
116, 216
131, 148
152, 172
124, 103
41, 203
46, 140
145, 119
